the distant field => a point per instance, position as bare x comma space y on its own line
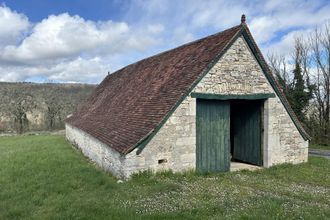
43, 177
320, 147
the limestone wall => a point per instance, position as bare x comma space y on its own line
282, 141
237, 72
175, 143
105, 157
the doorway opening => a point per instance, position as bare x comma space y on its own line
228, 133
246, 131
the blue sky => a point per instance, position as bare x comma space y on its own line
80, 41
95, 10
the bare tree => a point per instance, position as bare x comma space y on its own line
320, 53
54, 106
278, 65
20, 104
294, 79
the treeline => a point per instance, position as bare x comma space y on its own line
305, 78
32, 106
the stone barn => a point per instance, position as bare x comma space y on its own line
200, 106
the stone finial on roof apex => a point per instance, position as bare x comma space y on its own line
243, 18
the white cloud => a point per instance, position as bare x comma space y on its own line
156, 29
285, 45
12, 25
266, 19
263, 28
219, 14
277, 18
65, 36
182, 35
70, 48
78, 70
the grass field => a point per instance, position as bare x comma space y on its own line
320, 147
43, 177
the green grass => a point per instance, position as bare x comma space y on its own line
43, 177
320, 146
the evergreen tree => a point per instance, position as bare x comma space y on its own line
299, 93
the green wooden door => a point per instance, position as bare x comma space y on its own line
212, 135
246, 131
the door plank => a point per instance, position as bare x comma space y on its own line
212, 135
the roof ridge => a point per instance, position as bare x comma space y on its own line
152, 85
175, 48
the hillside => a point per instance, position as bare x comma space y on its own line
38, 106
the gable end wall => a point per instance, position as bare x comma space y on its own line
237, 72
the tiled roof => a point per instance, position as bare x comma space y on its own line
131, 103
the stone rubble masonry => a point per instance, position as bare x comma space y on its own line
237, 72
104, 156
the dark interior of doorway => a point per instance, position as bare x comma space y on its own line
245, 117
